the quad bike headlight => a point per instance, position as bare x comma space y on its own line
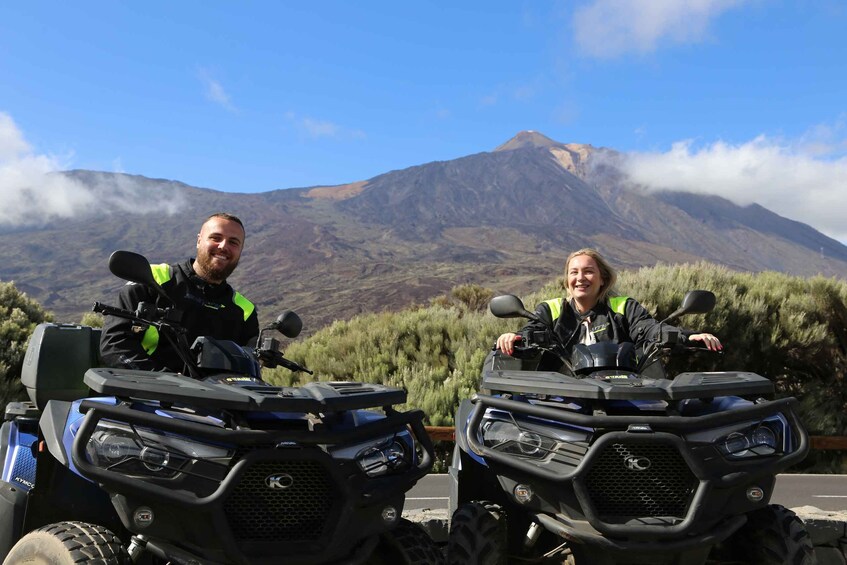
761, 439
382, 459
507, 437
133, 450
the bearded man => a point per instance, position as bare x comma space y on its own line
197, 288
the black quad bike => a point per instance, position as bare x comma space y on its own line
601, 459
213, 466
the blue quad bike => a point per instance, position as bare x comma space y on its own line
214, 466
601, 459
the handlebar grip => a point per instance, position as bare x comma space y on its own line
112, 310
273, 358
292, 366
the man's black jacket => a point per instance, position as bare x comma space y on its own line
207, 310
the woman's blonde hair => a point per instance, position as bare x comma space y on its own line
607, 272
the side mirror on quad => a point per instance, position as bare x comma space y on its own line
288, 324
135, 268
694, 302
510, 306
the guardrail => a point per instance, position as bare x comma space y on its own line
820, 443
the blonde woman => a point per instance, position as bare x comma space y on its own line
589, 313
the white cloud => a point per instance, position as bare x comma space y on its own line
12, 143
29, 192
215, 90
34, 193
521, 92
804, 180
608, 28
488, 100
317, 129
441, 113
128, 194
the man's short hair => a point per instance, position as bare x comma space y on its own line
226, 216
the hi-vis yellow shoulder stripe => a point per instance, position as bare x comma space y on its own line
161, 272
150, 339
616, 303
244, 304
555, 305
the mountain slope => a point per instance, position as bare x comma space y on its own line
505, 219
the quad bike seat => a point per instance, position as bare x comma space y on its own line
56, 360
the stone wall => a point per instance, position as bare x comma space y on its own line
828, 530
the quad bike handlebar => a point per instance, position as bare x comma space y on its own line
136, 268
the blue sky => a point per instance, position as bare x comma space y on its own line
742, 98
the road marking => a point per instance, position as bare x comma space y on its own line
429, 498
829, 496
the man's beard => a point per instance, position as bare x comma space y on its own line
213, 269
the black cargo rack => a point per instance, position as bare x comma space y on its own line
620, 385
316, 397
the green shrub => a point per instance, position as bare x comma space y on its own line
92, 319
435, 353
467, 297
19, 315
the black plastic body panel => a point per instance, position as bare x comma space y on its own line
719, 495
13, 502
200, 522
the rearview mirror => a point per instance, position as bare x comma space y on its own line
694, 302
135, 268
509, 306
288, 324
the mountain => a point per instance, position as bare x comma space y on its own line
505, 219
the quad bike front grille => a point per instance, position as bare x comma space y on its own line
640, 480
281, 501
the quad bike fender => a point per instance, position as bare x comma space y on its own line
13, 502
53, 424
5, 435
462, 416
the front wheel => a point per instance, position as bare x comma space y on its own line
69, 543
773, 535
478, 535
407, 544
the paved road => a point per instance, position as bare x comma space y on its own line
827, 492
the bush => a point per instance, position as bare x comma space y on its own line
435, 353
19, 315
467, 297
92, 319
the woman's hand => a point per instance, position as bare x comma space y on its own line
506, 342
711, 342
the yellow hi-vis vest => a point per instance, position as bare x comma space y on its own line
616, 303
162, 273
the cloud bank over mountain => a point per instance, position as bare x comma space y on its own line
34, 192
803, 180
